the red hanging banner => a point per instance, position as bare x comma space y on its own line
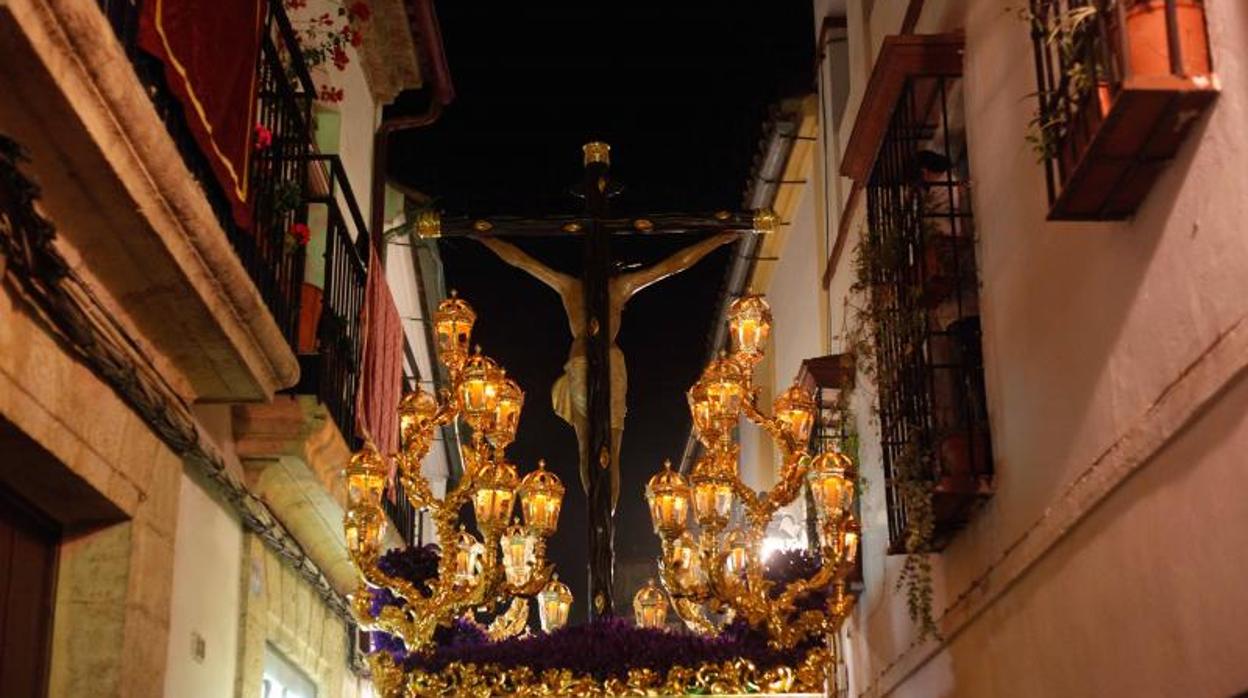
211, 51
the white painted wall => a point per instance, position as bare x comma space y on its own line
1087, 327
206, 585
793, 293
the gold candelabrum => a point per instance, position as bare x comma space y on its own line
503, 567
716, 573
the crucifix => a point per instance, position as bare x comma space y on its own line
590, 395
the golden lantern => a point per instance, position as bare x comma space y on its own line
724, 383
795, 411
712, 495
650, 606
468, 554
452, 324
478, 392
831, 484
365, 522
518, 546
749, 325
553, 603
507, 408
365, 527
494, 495
668, 496
738, 552
700, 408
541, 498
417, 411
685, 561
366, 475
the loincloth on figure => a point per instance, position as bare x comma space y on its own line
570, 394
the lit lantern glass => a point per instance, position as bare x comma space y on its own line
365, 528
749, 325
541, 498
685, 560
366, 478
738, 551
506, 413
518, 546
650, 606
553, 603
850, 535
795, 410
416, 414
468, 554
668, 496
494, 494
452, 324
725, 386
480, 383
712, 496
700, 410
830, 478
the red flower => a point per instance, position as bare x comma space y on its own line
357, 37
340, 58
332, 95
360, 10
296, 4
264, 137
301, 233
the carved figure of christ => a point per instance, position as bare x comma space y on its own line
569, 395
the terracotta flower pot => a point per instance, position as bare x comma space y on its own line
1083, 125
309, 317
1148, 51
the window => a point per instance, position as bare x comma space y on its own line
282, 679
917, 267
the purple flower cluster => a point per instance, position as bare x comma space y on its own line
610, 648
417, 564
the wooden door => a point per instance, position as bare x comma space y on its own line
28, 551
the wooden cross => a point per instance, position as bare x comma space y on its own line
597, 227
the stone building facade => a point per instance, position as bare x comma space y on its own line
169, 476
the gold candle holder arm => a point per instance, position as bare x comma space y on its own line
693, 615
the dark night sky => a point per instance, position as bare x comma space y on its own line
680, 91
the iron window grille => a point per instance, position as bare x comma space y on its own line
917, 264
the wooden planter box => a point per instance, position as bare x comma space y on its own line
1122, 135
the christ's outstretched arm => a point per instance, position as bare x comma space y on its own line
520, 259
628, 284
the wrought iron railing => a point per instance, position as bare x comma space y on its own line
919, 268
334, 370
1084, 56
1073, 60
278, 176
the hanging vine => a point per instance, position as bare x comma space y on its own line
911, 469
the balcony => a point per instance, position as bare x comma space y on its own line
131, 209
1120, 85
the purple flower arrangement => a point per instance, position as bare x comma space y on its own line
603, 649
610, 648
